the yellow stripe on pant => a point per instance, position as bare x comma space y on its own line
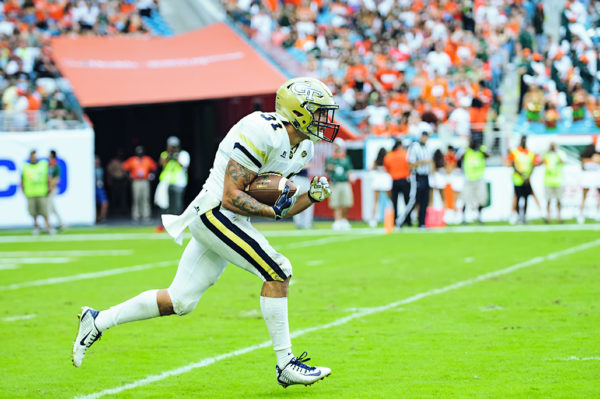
242, 244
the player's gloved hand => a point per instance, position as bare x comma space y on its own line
284, 204
319, 189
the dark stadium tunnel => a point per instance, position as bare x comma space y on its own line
200, 125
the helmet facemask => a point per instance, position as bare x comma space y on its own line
322, 126
308, 105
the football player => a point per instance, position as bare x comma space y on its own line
282, 142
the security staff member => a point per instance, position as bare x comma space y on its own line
420, 161
396, 164
34, 183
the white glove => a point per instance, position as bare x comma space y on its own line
319, 189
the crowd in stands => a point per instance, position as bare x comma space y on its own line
559, 79
399, 67
30, 81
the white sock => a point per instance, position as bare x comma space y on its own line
141, 307
275, 313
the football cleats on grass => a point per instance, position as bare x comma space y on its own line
298, 372
86, 335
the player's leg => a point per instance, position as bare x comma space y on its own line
236, 240
199, 268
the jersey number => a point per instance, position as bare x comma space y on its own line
275, 126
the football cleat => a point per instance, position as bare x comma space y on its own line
87, 334
298, 372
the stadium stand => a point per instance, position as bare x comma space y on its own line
34, 95
394, 65
559, 81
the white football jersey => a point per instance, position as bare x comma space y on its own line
260, 143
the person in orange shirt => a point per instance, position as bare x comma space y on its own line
396, 164
140, 168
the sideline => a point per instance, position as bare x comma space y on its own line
357, 315
538, 228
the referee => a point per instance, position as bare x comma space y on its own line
420, 162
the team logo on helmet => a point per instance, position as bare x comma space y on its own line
306, 90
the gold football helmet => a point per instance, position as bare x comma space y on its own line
306, 103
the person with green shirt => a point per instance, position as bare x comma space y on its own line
553, 178
35, 184
53, 180
475, 192
338, 167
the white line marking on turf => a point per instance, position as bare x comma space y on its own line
99, 252
85, 276
315, 262
357, 315
579, 358
19, 318
307, 233
9, 266
321, 241
110, 272
33, 261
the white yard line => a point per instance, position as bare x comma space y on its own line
93, 252
357, 315
321, 241
306, 233
19, 318
110, 272
34, 260
578, 358
86, 276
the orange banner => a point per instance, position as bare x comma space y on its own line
213, 62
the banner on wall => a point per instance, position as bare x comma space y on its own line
212, 62
75, 200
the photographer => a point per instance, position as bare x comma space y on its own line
174, 162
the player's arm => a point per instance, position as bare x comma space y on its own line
235, 199
319, 190
301, 204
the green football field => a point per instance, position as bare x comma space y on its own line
490, 312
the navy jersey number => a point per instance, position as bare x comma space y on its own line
275, 126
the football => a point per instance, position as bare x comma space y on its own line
268, 187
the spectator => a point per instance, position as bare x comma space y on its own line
438, 179
338, 167
381, 183
522, 161
140, 168
421, 164
396, 164
117, 184
54, 180
101, 198
475, 191
34, 183
590, 165
553, 179
174, 162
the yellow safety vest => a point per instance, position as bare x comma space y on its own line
524, 164
553, 175
171, 171
474, 164
35, 179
